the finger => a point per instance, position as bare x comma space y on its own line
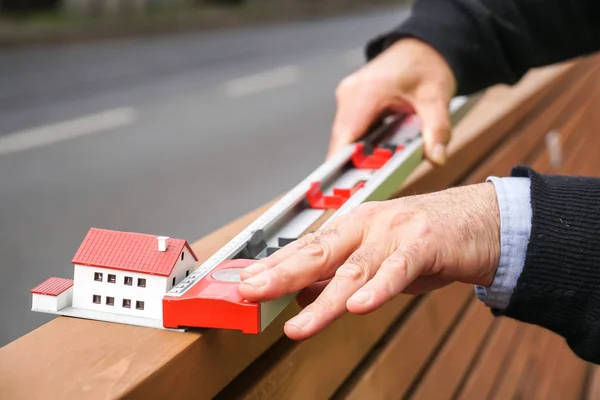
283, 253
274, 259
331, 303
311, 292
355, 113
436, 129
329, 248
395, 274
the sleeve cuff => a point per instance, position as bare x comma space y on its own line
514, 202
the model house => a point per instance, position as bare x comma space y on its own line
120, 273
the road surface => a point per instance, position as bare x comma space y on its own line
172, 135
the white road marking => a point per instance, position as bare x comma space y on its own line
262, 81
50, 134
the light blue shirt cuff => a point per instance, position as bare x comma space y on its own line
514, 201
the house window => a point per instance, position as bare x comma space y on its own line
112, 278
110, 301
141, 282
98, 276
139, 305
182, 256
128, 280
187, 273
126, 303
173, 284
96, 299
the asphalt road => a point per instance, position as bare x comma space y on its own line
173, 135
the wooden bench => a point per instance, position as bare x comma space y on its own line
441, 345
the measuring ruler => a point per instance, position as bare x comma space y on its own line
369, 170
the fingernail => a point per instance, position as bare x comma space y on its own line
361, 296
438, 153
301, 320
255, 268
256, 281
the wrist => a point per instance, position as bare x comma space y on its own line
466, 222
490, 213
480, 217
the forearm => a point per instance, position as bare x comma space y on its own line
496, 41
557, 283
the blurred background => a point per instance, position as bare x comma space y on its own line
167, 117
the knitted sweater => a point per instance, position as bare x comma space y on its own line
487, 42
559, 286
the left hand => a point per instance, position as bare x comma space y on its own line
381, 249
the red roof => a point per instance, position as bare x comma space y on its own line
129, 251
53, 286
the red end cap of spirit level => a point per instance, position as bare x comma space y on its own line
214, 302
318, 200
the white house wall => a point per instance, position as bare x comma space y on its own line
65, 298
43, 302
85, 287
179, 271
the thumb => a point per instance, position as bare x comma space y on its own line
436, 129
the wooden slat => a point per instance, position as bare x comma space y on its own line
593, 390
506, 383
581, 140
496, 354
571, 96
392, 371
539, 381
568, 379
571, 145
91, 359
316, 367
532, 384
570, 128
443, 378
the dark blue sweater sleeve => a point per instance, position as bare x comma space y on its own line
487, 42
559, 287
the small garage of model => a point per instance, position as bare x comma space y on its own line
52, 295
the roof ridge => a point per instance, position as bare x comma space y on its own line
130, 251
133, 233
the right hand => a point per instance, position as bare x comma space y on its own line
408, 77
412, 244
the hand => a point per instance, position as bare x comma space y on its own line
364, 258
409, 77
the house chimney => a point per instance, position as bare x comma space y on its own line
162, 243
